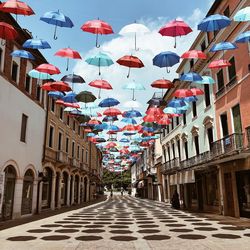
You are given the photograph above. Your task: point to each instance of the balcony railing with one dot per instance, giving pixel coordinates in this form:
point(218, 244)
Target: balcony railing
point(84, 166)
point(219, 149)
point(248, 136)
point(62, 157)
point(231, 83)
point(220, 92)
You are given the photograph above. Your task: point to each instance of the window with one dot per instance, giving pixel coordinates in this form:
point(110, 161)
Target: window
point(59, 147)
point(231, 70)
point(184, 119)
point(173, 150)
point(191, 64)
point(210, 137)
point(23, 128)
point(68, 120)
point(82, 154)
point(87, 156)
point(172, 123)
point(73, 149)
point(220, 80)
point(74, 125)
point(196, 142)
point(194, 109)
point(167, 129)
point(227, 12)
point(52, 107)
point(186, 149)
point(27, 84)
point(203, 46)
point(14, 71)
point(51, 136)
point(165, 154)
point(207, 95)
point(169, 156)
point(237, 119)
point(38, 92)
point(67, 144)
point(177, 121)
point(224, 125)
point(61, 113)
point(179, 148)
point(78, 152)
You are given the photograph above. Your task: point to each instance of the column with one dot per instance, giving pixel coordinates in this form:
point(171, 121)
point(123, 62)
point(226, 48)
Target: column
point(79, 191)
point(34, 196)
point(72, 190)
point(164, 187)
point(53, 190)
point(59, 192)
point(68, 191)
point(17, 198)
point(235, 196)
point(221, 190)
point(168, 189)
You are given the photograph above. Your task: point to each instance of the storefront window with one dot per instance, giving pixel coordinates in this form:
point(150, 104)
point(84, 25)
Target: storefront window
point(212, 190)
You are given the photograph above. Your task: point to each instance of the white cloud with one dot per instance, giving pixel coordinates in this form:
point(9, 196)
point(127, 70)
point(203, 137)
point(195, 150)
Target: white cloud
point(150, 45)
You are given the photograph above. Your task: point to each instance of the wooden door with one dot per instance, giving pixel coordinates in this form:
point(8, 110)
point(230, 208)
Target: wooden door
point(229, 206)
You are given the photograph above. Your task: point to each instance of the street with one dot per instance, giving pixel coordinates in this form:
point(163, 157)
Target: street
point(124, 222)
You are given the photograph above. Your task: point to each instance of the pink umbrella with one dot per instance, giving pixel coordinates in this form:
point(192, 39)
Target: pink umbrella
point(194, 54)
point(175, 28)
point(218, 64)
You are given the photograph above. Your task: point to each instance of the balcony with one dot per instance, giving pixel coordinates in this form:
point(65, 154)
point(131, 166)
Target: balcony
point(231, 83)
point(74, 162)
point(84, 166)
point(50, 154)
point(62, 157)
point(220, 92)
point(170, 165)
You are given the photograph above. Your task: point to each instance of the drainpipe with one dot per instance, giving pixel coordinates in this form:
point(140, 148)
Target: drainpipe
point(45, 129)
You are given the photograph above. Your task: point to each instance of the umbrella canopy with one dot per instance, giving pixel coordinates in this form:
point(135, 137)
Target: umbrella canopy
point(129, 120)
point(60, 86)
point(47, 86)
point(100, 84)
point(206, 80)
point(214, 22)
point(197, 91)
point(23, 54)
point(39, 75)
point(243, 15)
point(36, 44)
point(110, 119)
point(134, 86)
point(130, 62)
point(218, 64)
point(190, 99)
point(194, 54)
point(134, 29)
point(162, 84)
point(154, 111)
point(16, 7)
point(176, 103)
point(112, 112)
point(72, 78)
point(132, 113)
point(7, 31)
point(85, 96)
point(97, 27)
point(181, 93)
point(164, 120)
point(68, 53)
point(166, 59)
point(57, 19)
point(243, 37)
point(175, 28)
point(108, 102)
point(48, 68)
point(100, 60)
point(191, 77)
point(223, 46)
point(56, 94)
point(70, 97)
point(157, 102)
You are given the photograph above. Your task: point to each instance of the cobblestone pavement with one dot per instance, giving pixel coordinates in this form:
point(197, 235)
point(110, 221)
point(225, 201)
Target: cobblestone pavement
point(127, 223)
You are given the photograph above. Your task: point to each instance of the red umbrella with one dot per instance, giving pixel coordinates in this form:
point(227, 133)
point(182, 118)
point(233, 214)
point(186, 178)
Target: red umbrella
point(71, 105)
point(154, 111)
point(16, 7)
point(162, 84)
point(197, 91)
point(129, 127)
point(111, 145)
point(130, 62)
point(175, 28)
point(97, 27)
point(112, 112)
point(69, 53)
point(181, 93)
point(48, 68)
point(218, 64)
point(124, 151)
point(194, 54)
point(47, 86)
point(59, 102)
point(7, 32)
point(149, 118)
point(100, 84)
point(60, 86)
point(164, 120)
point(94, 122)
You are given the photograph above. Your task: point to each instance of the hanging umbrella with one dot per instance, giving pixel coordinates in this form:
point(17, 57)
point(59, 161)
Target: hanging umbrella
point(181, 93)
point(16, 7)
point(197, 91)
point(100, 84)
point(108, 102)
point(70, 97)
point(72, 78)
point(68, 53)
point(48, 68)
point(134, 86)
point(129, 127)
point(85, 96)
point(103, 126)
point(191, 77)
point(157, 102)
point(175, 28)
point(190, 99)
point(132, 113)
point(47, 86)
point(97, 27)
point(154, 111)
point(218, 64)
point(130, 62)
point(39, 75)
point(7, 32)
point(134, 29)
point(129, 120)
point(110, 119)
point(243, 37)
point(101, 60)
point(222, 46)
point(206, 80)
point(164, 120)
point(149, 118)
point(166, 59)
point(23, 54)
point(243, 15)
point(36, 44)
point(162, 84)
point(56, 94)
point(214, 22)
point(176, 103)
point(112, 112)
point(57, 19)
point(60, 86)
point(194, 54)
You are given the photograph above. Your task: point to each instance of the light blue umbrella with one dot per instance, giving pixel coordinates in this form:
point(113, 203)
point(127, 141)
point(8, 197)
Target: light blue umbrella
point(125, 140)
point(176, 103)
point(23, 54)
point(100, 60)
point(206, 80)
point(39, 75)
point(129, 120)
point(191, 77)
point(56, 94)
point(91, 135)
point(134, 86)
point(190, 99)
point(36, 44)
point(214, 22)
point(243, 37)
point(223, 46)
point(243, 15)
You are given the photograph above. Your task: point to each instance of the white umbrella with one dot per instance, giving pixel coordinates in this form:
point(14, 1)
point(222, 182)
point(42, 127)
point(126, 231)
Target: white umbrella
point(134, 29)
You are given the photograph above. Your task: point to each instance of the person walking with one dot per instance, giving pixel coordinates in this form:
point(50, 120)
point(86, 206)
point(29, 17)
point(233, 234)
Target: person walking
point(111, 193)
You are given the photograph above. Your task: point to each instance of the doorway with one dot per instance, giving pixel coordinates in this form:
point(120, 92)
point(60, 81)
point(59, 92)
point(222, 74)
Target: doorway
point(229, 194)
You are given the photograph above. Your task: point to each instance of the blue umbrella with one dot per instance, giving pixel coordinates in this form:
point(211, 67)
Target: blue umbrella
point(223, 46)
point(39, 75)
point(23, 54)
point(214, 22)
point(101, 60)
point(243, 15)
point(36, 44)
point(91, 135)
point(103, 126)
point(129, 133)
point(125, 140)
point(166, 59)
point(108, 102)
point(132, 113)
point(113, 128)
point(191, 77)
point(56, 94)
point(129, 120)
point(176, 103)
point(190, 99)
point(70, 97)
point(57, 19)
point(243, 37)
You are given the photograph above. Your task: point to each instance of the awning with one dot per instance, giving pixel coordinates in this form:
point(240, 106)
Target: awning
point(183, 177)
